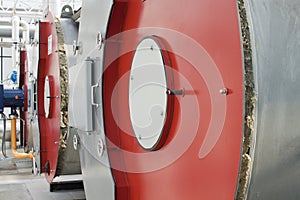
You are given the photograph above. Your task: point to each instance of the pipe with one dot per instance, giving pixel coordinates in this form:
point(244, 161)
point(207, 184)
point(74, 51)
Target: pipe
point(16, 24)
point(1, 59)
point(5, 22)
point(13, 137)
point(4, 136)
point(15, 39)
point(16, 154)
point(35, 13)
point(25, 26)
point(6, 31)
point(15, 20)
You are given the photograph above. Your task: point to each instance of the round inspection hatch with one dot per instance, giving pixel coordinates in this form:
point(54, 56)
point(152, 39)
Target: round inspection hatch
point(47, 97)
point(148, 100)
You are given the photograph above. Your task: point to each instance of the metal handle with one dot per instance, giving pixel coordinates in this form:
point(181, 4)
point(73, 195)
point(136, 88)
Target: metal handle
point(52, 97)
point(93, 94)
point(35, 97)
point(175, 92)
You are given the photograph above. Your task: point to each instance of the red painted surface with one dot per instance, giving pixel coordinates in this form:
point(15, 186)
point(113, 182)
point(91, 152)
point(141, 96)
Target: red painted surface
point(201, 156)
point(109, 80)
point(23, 83)
point(49, 127)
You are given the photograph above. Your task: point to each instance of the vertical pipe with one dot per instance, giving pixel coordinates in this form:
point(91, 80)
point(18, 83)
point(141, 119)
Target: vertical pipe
point(15, 6)
point(13, 133)
point(13, 140)
point(56, 8)
point(15, 40)
point(4, 136)
point(25, 27)
point(1, 54)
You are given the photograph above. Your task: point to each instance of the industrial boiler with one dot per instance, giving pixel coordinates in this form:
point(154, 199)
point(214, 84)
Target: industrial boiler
point(187, 99)
point(37, 91)
point(152, 99)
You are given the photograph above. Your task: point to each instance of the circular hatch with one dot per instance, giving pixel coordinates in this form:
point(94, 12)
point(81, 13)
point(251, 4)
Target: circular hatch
point(148, 99)
point(47, 97)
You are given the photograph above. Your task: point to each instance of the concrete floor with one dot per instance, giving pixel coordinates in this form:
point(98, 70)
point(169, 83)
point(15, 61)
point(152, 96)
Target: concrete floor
point(17, 182)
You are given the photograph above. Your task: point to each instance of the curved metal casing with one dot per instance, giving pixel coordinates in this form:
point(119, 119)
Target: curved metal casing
point(57, 154)
point(275, 35)
point(201, 155)
point(235, 100)
point(85, 99)
point(29, 58)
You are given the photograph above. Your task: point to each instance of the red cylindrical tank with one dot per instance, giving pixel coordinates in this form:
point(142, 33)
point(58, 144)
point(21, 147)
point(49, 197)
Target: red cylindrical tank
point(57, 154)
point(200, 157)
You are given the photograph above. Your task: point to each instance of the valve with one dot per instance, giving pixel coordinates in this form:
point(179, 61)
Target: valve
point(14, 76)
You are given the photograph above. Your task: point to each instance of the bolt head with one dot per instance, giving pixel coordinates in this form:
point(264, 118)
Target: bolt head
point(224, 91)
point(75, 142)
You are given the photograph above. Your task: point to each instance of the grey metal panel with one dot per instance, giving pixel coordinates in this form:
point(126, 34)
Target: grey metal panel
point(94, 19)
point(276, 167)
point(34, 133)
point(98, 180)
point(80, 107)
point(70, 30)
point(69, 163)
